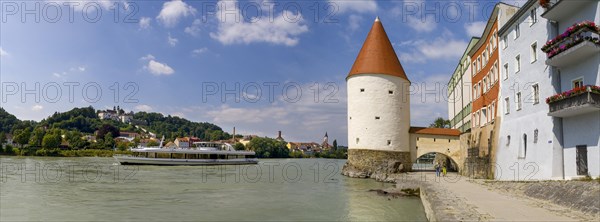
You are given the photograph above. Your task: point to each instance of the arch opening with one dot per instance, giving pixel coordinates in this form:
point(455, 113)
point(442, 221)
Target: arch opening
point(426, 162)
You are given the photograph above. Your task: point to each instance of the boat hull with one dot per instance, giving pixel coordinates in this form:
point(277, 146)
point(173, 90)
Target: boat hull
point(124, 160)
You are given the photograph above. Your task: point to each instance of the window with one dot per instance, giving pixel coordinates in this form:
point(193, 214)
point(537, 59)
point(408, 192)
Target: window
point(357, 140)
point(484, 115)
point(506, 71)
point(578, 83)
point(518, 100)
point(507, 140)
point(533, 16)
point(362, 90)
point(517, 63)
point(377, 117)
point(504, 41)
point(485, 84)
point(474, 69)
point(391, 92)
point(495, 72)
point(495, 42)
point(533, 52)
point(475, 91)
point(524, 145)
point(536, 93)
point(478, 63)
point(535, 136)
point(506, 105)
point(517, 31)
point(479, 88)
point(389, 142)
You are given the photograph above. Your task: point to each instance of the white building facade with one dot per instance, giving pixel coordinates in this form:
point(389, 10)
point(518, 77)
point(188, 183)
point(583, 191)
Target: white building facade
point(459, 92)
point(576, 61)
point(542, 139)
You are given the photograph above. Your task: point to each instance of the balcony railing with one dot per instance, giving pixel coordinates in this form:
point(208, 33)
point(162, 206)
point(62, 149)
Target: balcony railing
point(575, 102)
point(577, 43)
point(558, 10)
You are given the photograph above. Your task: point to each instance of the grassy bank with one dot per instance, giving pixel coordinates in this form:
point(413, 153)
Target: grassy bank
point(12, 151)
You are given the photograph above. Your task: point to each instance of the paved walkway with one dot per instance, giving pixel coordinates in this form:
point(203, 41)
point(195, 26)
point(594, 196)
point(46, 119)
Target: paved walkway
point(491, 205)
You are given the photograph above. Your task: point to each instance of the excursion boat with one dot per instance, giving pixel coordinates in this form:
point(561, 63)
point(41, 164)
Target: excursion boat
point(205, 153)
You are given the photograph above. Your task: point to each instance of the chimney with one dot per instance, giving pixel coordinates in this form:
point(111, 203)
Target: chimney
point(279, 134)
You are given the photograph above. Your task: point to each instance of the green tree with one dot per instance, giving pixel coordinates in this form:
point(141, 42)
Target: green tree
point(268, 148)
point(51, 141)
point(109, 141)
point(22, 136)
point(36, 137)
point(2, 138)
point(107, 128)
point(152, 143)
point(239, 146)
point(440, 123)
point(334, 145)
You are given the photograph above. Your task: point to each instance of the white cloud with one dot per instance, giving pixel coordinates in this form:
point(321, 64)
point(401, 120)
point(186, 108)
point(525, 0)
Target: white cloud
point(199, 51)
point(158, 68)
point(144, 108)
point(354, 22)
point(37, 107)
point(283, 30)
point(172, 41)
point(426, 24)
point(194, 29)
point(475, 28)
point(3, 53)
point(81, 69)
point(173, 11)
point(364, 6)
point(147, 57)
point(444, 47)
point(59, 75)
point(145, 22)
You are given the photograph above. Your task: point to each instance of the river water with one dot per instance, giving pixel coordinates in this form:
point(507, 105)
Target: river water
point(67, 189)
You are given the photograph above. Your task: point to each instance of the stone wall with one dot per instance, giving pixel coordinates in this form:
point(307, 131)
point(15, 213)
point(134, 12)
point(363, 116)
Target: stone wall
point(375, 163)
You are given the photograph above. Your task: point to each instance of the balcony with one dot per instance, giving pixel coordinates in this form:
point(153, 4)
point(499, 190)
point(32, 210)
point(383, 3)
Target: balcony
point(579, 42)
point(575, 102)
point(557, 10)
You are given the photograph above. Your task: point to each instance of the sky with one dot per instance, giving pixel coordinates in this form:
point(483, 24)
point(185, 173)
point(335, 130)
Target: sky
point(259, 66)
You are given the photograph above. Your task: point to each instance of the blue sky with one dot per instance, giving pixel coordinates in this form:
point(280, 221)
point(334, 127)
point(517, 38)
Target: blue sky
point(177, 57)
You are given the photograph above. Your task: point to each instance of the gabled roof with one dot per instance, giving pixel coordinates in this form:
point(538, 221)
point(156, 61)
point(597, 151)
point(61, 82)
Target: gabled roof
point(434, 131)
point(377, 56)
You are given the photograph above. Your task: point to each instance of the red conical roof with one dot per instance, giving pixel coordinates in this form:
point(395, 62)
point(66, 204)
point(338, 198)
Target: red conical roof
point(377, 55)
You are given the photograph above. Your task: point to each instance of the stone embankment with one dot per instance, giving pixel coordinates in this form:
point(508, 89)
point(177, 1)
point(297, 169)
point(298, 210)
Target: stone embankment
point(582, 196)
point(456, 198)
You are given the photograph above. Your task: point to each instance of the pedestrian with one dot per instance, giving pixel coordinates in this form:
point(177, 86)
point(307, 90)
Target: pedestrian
point(444, 170)
point(437, 170)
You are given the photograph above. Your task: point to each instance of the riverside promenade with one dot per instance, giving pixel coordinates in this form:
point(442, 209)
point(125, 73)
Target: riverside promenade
point(456, 198)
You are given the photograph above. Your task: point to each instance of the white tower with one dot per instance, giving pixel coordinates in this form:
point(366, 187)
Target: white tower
point(378, 105)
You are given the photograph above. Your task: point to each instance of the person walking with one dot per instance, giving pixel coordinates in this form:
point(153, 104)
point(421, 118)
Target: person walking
point(437, 169)
point(444, 170)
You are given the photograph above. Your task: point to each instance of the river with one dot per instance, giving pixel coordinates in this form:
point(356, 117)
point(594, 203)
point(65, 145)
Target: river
point(67, 189)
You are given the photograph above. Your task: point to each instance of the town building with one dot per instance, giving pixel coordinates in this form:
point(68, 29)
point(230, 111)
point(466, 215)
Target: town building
point(573, 57)
point(182, 142)
point(459, 92)
point(485, 68)
point(527, 145)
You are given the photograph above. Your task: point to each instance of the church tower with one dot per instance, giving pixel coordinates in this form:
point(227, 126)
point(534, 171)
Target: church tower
point(378, 106)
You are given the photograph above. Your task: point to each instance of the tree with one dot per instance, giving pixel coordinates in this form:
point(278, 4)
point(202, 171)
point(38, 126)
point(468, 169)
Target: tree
point(2, 138)
point(22, 136)
point(440, 123)
point(239, 146)
point(109, 141)
point(268, 148)
point(36, 137)
point(51, 141)
point(152, 143)
point(334, 145)
point(107, 128)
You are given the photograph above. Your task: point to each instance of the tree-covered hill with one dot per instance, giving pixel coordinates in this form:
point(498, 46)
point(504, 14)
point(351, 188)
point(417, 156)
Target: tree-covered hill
point(173, 126)
point(7, 121)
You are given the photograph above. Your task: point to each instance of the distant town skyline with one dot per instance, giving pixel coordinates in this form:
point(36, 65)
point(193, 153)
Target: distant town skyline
point(188, 58)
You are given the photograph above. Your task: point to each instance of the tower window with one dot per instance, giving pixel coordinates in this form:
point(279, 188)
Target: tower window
point(391, 92)
point(357, 140)
point(350, 117)
point(362, 90)
point(377, 117)
point(389, 142)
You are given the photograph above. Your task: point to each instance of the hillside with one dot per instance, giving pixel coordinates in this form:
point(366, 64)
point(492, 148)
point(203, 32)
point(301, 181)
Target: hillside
point(173, 126)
